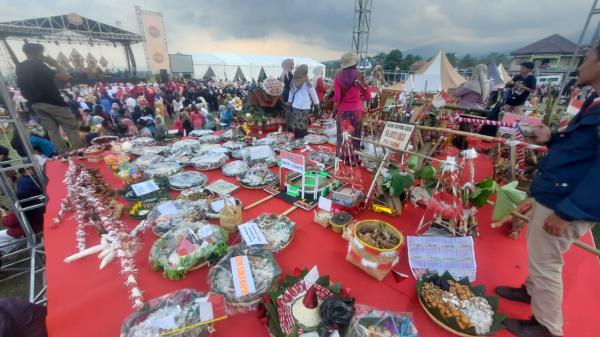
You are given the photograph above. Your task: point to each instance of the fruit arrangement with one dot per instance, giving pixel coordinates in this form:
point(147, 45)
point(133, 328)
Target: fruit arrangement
point(458, 306)
point(378, 237)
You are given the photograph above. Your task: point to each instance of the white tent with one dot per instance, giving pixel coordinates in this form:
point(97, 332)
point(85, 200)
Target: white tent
point(226, 65)
point(436, 75)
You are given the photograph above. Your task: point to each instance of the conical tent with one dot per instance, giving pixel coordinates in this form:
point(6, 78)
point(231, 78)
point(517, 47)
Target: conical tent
point(505, 75)
point(494, 76)
point(436, 75)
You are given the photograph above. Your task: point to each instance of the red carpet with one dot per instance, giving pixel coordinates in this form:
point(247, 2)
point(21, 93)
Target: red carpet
point(84, 301)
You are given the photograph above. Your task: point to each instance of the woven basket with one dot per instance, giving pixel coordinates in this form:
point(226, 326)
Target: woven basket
point(376, 262)
point(230, 216)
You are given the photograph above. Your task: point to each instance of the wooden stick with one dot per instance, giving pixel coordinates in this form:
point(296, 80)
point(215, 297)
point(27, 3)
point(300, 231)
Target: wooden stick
point(385, 156)
point(288, 211)
point(256, 203)
point(577, 243)
point(396, 149)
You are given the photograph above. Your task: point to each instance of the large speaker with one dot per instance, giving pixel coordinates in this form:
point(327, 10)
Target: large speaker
point(164, 75)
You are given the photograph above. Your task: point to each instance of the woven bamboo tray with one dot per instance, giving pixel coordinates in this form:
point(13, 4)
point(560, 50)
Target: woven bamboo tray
point(442, 325)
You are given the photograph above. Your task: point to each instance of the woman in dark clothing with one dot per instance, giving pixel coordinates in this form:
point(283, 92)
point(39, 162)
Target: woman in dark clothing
point(136, 114)
point(20, 318)
point(287, 77)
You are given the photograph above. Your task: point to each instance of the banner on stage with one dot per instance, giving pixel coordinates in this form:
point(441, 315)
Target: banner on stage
point(155, 39)
point(292, 161)
point(396, 135)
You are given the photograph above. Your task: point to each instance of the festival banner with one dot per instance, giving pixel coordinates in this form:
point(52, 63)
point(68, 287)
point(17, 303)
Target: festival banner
point(156, 41)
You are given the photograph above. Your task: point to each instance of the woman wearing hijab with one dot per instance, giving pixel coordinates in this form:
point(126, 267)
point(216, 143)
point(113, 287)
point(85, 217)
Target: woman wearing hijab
point(318, 83)
point(287, 76)
point(302, 94)
point(472, 94)
point(161, 130)
point(475, 92)
point(350, 90)
point(132, 130)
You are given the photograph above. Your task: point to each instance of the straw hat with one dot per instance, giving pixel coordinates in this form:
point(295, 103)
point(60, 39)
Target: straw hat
point(348, 60)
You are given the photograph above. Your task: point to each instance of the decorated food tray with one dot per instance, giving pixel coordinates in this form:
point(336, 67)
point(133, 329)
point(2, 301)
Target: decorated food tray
point(232, 134)
point(141, 208)
point(278, 231)
point(146, 161)
point(217, 150)
point(214, 206)
point(186, 247)
point(234, 145)
point(234, 168)
point(112, 159)
point(196, 193)
point(172, 213)
point(183, 156)
point(147, 150)
point(264, 269)
point(372, 322)
point(210, 139)
point(200, 133)
point(209, 161)
point(182, 307)
point(257, 177)
point(164, 169)
point(458, 307)
point(187, 144)
point(315, 139)
point(187, 179)
point(93, 151)
point(264, 141)
point(142, 141)
point(262, 154)
point(104, 141)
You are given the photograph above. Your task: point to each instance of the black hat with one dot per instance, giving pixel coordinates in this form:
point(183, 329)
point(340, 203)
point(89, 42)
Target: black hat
point(32, 48)
point(528, 65)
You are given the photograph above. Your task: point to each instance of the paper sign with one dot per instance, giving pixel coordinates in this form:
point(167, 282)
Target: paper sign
point(243, 283)
point(206, 311)
point(145, 187)
point(396, 135)
point(222, 187)
point(312, 277)
point(325, 204)
point(218, 205)
point(440, 254)
point(166, 208)
point(292, 161)
point(166, 322)
point(251, 234)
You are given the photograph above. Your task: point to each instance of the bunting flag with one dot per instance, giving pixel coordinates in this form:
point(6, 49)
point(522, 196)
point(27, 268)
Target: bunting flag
point(440, 99)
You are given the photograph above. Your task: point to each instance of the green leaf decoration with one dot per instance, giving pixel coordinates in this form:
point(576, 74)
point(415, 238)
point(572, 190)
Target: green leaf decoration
point(428, 174)
point(399, 182)
point(508, 197)
point(483, 190)
point(412, 162)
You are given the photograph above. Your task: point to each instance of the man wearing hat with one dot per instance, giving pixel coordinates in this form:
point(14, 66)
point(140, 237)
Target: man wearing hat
point(520, 87)
point(37, 83)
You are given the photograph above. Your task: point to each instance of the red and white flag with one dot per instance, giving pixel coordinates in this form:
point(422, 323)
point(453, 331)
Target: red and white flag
point(440, 99)
point(574, 106)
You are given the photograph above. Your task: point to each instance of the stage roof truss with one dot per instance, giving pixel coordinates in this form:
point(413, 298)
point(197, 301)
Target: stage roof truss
point(57, 27)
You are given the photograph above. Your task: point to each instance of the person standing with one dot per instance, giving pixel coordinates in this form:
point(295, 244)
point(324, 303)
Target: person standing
point(318, 83)
point(38, 85)
point(302, 94)
point(521, 86)
point(350, 91)
point(566, 206)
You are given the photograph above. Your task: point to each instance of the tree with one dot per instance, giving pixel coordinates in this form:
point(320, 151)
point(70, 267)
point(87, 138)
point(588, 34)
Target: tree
point(379, 58)
point(408, 61)
point(468, 61)
point(392, 60)
point(452, 58)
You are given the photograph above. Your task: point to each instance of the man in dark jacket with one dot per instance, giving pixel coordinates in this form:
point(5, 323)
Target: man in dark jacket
point(566, 205)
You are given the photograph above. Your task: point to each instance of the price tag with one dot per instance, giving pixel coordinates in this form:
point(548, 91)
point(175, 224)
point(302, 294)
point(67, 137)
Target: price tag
point(166, 208)
point(243, 283)
point(251, 234)
point(325, 204)
point(218, 205)
point(312, 277)
point(145, 187)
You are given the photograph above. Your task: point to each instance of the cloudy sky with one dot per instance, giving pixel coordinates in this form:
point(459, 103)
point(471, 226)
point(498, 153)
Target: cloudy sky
point(323, 29)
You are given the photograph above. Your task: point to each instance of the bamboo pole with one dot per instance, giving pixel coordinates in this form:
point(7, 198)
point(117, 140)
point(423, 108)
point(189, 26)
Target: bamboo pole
point(375, 177)
point(288, 211)
point(256, 203)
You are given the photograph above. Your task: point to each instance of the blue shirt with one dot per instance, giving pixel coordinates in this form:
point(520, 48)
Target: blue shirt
point(43, 145)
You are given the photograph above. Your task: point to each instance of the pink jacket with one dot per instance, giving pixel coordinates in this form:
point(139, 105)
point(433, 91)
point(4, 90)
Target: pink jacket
point(352, 101)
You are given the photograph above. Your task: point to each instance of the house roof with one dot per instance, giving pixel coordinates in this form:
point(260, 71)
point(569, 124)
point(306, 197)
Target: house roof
point(553, 44)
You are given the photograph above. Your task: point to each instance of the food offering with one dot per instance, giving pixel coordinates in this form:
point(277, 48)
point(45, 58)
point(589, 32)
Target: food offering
point(187, 247)
point(186, 180)
point(93, 153)
point(278, 231)
point(458, 307)
point(255, 155)
point(209, 161)
point(104, 141)
point(235, 168)
point(197, 193)
point(189, 145)
point(258, 176)
point(216, 205)
point(263, 271)
point(315, 139)
point(232, 134)
point(339, 221)
point(147, 150)
point(183, 156)
point(141, 208)
point(200, 133)
point(217, 149)
point(146, 161)
point(163, 169)
point(308, 304)
point(234, 145)
point(211, 139)
point(115, 160)
point(371, 322)
point(172, 213)
point(177, 314)
point(374, 247)
point(142, 141)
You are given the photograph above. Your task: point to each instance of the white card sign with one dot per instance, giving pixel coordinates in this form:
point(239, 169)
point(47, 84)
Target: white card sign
point(325, 204)
point(396, 135)
point(218, 205)
point(144, 187)
point(251, 234)
point(312, 277)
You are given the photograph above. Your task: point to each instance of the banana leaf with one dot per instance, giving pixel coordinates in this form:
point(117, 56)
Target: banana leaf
point(398, 182)
point(508, 197)
point(483, 190)
point(412, 162)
